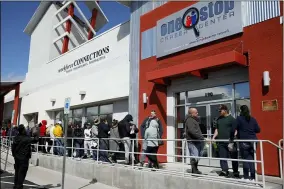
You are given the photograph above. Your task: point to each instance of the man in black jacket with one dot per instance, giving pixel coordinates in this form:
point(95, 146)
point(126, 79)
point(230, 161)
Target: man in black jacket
point(195, 137)
point(79, 141)
point(21, 151)
point(103, 134)
point(124, 133)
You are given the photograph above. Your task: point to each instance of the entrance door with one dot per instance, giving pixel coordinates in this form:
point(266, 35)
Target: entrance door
point(208, 114)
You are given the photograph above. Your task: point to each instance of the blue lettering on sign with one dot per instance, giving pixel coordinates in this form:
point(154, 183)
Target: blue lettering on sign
point(212, 9)
point(66, 105)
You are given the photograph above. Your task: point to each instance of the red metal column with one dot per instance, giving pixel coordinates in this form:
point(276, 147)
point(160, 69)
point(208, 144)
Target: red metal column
point(93, 23)
point(16, 104)
point(1, 109)
point(68, 29)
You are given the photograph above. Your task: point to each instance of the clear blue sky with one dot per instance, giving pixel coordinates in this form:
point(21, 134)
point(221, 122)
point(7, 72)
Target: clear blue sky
point(15, 44)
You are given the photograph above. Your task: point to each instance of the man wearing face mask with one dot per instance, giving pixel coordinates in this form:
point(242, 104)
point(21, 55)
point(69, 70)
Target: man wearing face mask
point(195, 138)
point(153, 119)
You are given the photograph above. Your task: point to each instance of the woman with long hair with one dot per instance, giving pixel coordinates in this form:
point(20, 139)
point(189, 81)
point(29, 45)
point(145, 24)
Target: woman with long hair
point(247, 128)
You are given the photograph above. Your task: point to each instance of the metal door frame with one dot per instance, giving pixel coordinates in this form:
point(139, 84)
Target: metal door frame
point(208, 105)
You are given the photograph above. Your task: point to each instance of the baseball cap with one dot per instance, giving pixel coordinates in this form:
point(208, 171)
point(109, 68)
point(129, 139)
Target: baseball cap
point(223, 107)
point(59, 122)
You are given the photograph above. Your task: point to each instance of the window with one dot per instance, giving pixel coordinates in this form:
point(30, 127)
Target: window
point(92, 114)
point(180, 98)
point(242, 90)
point(103, 111)
point(210, 94)
point(59, 116)
point(106, 109)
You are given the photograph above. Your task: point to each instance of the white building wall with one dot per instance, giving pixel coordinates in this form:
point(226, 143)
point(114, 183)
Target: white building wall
point(106, 80)
point(42, 49)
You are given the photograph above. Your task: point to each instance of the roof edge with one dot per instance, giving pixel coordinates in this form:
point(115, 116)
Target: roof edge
point(37, 16)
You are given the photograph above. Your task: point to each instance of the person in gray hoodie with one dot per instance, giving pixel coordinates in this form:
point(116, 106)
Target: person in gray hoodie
point(151, 136)
point(195, 138)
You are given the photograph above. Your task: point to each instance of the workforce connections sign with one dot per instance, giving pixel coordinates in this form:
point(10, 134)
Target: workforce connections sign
point(198, 24)
point(86, 60)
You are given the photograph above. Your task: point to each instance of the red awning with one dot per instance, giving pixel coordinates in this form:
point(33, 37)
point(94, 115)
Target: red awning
point(197, 65)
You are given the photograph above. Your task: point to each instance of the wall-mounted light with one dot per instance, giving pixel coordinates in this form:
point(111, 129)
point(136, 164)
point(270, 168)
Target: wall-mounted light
point(266, 79)
point(145, 98)
point(82, 94)
point(52, 100)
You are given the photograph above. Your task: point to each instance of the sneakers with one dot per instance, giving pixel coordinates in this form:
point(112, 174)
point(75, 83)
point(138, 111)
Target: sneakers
point(236, 175)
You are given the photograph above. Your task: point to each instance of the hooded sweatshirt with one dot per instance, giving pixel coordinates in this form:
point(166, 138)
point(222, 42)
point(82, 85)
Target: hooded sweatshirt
point(124, 126)
point(152, 133)
point(21, 147)
point(42, 129)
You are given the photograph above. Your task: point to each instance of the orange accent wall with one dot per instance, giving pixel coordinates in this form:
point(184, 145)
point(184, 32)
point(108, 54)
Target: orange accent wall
point(262, 42)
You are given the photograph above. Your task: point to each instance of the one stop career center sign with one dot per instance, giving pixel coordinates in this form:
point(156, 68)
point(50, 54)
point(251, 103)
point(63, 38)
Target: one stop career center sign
point(198, 24)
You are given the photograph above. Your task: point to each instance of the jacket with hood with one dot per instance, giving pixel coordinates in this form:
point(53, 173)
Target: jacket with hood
point(192, 129)
point(124, 126)
point(103, 130)
point(58, 132)
point(21, 147)
point(152, 133)
point(79, 133)
point(146, 124)
point(42, 129)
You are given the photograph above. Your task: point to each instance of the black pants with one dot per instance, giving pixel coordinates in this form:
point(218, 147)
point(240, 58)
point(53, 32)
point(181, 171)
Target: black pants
point(153, 158)
point(225, 153)
point(69, 147)
point(21, 168)
point(42, 145)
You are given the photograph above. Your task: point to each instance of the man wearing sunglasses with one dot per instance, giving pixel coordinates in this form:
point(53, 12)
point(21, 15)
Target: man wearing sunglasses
point(223, 132)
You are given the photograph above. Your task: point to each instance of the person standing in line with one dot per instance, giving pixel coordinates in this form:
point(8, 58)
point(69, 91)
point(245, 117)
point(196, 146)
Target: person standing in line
point(87, 141)
point(35, 132)
point(95, 141)
point(52, 137)
point(143, 128)
point(70, 134)
point(114, 144)
point(48, 140)
point(42, 139)
point(124, 133)
point(247, 128)
point(21, 151)
point(103, 134)
point(58, 134)
point(28, 131)
point(133, 136)
point(151, 136)
point(223, 131)
point(79, 141)
point(195, 138)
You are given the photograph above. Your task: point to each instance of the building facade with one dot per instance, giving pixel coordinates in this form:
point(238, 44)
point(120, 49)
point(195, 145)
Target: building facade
point(203, 54)
point(90, 72)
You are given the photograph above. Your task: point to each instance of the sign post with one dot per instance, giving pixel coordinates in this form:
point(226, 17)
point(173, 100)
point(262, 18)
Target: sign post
point(66, 112)
point(10, 135)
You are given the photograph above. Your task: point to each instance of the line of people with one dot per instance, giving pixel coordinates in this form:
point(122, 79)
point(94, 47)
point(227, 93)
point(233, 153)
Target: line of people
point(244, 127)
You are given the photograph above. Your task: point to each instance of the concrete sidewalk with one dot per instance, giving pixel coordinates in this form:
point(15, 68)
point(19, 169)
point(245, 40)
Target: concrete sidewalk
point(39, 176)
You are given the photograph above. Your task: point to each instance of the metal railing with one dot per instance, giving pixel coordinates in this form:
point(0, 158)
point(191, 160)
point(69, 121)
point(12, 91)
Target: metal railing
point(280, 157)
point(5, 143)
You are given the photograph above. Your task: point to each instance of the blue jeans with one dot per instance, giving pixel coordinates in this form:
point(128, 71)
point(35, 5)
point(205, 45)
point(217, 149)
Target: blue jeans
point(195, 149)
point(58, 150)
point(103, 155)
point(247, 153)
